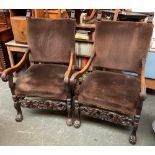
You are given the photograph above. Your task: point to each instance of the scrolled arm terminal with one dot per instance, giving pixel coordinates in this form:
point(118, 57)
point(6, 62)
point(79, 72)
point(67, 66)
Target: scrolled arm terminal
point(16, 67)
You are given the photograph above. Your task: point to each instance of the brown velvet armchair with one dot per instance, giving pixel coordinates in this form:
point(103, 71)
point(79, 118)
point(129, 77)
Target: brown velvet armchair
point(45, 83)
point(111, 92)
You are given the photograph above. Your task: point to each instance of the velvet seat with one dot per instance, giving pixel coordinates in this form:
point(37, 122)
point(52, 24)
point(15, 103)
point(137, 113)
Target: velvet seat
point(45, 80)
point(111, 91)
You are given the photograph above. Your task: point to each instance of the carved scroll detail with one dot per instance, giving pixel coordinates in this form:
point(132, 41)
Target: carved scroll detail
point(107, 115)
point(43, 104)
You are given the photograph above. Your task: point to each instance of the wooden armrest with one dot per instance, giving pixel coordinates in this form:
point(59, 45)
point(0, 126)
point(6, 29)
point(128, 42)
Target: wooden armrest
point(70, 69)
point(116, 14)
point(13, 69)
point(91, 16)
point(142, 78)
point(78, 74)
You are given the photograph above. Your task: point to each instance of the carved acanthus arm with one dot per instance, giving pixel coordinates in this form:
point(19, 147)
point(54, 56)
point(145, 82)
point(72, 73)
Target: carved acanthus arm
point(142, 78)
point(70, 69)
point(75, 77)
point(13, 69)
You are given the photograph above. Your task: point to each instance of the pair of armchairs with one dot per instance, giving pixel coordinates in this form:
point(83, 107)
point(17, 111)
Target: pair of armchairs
point(110, 92)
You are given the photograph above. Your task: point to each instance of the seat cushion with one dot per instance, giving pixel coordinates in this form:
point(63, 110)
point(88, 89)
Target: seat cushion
point(111, 91)
point(43, 80)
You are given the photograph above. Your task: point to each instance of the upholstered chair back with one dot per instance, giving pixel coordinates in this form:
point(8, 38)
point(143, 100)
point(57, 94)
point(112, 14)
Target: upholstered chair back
point(122, 45)
point(51, 41)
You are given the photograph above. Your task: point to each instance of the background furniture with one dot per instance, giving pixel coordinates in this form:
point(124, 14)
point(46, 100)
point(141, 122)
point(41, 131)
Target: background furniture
point(50, 13)
point(4, 18)
point(14, 50)
point(57, 13)
point(150, 69)
point(13, 47)
point(19, 24)
point(5, 35)
point(84, 40)
point(109, 93)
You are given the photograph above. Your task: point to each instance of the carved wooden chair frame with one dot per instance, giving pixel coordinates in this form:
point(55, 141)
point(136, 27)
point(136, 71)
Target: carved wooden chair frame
point(40, 103)
point(103, 114)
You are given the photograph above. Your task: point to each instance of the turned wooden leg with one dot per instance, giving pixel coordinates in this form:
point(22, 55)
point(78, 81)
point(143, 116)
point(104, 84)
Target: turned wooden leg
point(69, 121)
point(133, 137)
point(17, 105)
point(77, 122)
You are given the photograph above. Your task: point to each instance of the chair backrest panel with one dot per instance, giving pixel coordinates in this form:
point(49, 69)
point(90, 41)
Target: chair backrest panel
point(122, 45)
point(51, 40)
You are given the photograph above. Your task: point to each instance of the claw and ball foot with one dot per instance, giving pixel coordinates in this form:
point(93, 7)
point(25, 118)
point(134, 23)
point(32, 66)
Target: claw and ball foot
point(133, 138)
point(69, 122)
point(19, 116)
point(77, 123)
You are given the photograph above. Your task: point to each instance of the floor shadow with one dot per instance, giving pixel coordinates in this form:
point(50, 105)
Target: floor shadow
point(150, 91)
point(48, 112)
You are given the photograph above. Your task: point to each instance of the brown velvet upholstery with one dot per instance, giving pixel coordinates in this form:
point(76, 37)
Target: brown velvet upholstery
point(121, 45)
point(43, 80)
point(112, 91)
point(51, 40)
